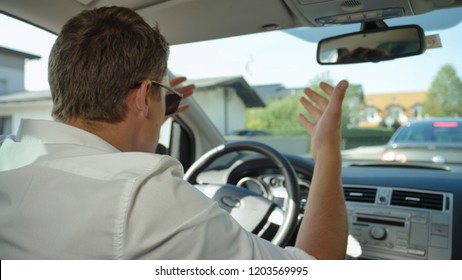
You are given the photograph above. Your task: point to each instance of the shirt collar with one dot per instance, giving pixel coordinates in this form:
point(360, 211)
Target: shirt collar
point(53, 132)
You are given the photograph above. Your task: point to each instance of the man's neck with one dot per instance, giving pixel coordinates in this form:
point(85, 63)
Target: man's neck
point(110, 132)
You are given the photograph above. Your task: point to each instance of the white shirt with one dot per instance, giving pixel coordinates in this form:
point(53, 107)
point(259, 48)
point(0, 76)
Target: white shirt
point(67, 194)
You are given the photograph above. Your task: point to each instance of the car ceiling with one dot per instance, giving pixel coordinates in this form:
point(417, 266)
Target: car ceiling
point(183, 21)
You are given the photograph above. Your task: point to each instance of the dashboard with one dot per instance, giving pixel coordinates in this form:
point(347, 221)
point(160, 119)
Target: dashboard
point(394, 212)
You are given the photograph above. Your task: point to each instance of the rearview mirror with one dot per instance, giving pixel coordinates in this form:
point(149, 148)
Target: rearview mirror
point(372, 45)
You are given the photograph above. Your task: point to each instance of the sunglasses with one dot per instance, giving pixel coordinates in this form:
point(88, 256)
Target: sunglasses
point(172, 97)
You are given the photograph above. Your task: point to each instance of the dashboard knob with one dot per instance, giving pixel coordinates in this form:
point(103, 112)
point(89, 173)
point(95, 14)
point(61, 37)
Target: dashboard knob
point(378, 233)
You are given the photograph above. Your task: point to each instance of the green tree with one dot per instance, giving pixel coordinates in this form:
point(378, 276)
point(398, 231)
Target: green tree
point(444, 97)
point(280, 116)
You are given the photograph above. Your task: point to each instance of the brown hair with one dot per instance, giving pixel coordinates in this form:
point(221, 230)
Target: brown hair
point(97, 56)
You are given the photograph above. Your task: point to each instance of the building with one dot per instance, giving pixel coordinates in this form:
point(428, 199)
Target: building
point(11, 82)
point(221, 98)
point(20, 105)
point(12, 70)
point(387, 109)
point(271, 92)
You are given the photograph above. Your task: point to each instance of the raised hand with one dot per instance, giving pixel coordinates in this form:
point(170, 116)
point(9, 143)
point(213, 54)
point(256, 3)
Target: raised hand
point(325, 130)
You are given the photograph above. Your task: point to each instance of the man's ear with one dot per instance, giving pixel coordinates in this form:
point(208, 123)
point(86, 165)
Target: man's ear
point(141, 98)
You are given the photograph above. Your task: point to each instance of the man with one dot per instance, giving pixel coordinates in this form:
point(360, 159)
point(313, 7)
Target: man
point(87, 185)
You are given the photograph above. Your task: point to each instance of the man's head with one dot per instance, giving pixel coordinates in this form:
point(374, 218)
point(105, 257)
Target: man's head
point(98, 56)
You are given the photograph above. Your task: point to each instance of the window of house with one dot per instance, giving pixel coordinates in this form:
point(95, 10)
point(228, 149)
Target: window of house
point(371, 114)
point(2, 86)
point(416, 112)
point(395, 114)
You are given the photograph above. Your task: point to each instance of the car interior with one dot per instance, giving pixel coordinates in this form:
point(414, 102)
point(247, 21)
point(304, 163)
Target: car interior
point(396, 211)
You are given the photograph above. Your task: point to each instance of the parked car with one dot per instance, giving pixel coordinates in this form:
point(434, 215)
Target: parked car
point(426, 141)
point(395, 211)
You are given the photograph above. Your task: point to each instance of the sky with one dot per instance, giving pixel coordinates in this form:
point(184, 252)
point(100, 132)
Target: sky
point(266, 58)
point(282, 58)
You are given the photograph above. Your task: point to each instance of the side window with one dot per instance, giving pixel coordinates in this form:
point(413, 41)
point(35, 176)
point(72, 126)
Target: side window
point(164, 138)
point(23, 72)
point(2, 85)
point(5, 125)
point(177, 141)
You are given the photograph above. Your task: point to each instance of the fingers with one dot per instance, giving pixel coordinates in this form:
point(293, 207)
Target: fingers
point(314, 111)
point(186, 91)
point(328, 89)
point(321, 105)
point(182, 108)
point(339, 94)
point(318, 102)
point(305, 123)
point(176, 81)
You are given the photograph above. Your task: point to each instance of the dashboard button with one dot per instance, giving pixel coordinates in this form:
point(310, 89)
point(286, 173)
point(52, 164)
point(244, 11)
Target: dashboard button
point(439, 229)
point(378, 233)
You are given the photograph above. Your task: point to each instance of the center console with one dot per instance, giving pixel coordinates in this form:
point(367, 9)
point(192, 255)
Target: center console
point(393, 223)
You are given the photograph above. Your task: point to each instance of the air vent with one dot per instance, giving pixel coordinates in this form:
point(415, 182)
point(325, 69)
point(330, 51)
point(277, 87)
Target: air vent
point(366, 195)
point(417, 199)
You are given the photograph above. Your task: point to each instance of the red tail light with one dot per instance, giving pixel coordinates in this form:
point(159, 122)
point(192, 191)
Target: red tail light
point(445, 124)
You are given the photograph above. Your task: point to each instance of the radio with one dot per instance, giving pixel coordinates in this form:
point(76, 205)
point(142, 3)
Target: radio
point(376, 231)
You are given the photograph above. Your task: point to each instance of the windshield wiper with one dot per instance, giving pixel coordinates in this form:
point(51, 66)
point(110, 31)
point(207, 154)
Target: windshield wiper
point(403, 165)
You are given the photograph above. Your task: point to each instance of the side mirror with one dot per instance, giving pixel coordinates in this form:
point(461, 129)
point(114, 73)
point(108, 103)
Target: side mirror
point(372, 45)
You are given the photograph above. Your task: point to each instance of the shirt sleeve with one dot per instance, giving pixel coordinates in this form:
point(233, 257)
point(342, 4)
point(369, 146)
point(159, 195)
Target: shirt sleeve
point(167, 218)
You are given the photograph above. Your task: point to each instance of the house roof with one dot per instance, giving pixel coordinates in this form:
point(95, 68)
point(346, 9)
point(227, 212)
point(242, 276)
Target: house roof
point(406, 100)
point(273, 91)
point(26, 96)
point(18, 53)
point(245, 92)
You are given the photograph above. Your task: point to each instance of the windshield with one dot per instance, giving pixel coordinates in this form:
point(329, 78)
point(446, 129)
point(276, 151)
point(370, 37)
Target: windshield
point(278, 65)
point(250, 85)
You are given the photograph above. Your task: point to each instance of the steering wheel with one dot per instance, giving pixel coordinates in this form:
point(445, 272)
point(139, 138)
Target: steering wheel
point(251, 210)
